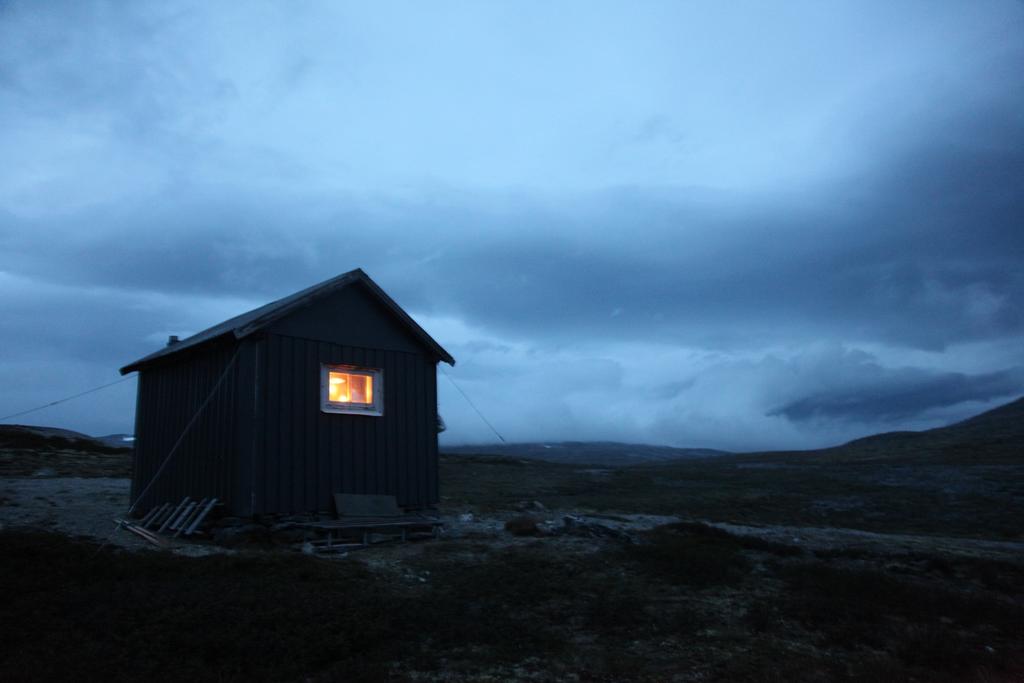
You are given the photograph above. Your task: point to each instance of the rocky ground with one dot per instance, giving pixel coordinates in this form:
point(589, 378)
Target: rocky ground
point(81, 507)
point(88, 507)
point(71, 505)
point(713, 571)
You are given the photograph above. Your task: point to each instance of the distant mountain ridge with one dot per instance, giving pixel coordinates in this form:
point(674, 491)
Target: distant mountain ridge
point(53, 438)
point(996, 434)
point(601, 453)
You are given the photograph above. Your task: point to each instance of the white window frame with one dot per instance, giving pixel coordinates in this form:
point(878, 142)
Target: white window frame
point(375, 409)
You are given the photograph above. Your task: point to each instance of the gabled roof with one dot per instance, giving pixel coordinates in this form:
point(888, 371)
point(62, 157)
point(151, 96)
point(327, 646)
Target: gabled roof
point(243, 325)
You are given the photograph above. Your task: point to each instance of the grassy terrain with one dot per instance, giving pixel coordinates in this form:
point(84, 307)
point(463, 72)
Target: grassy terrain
point(602, 453)
point(687, 601)
point(963, 480)
point(977, 500)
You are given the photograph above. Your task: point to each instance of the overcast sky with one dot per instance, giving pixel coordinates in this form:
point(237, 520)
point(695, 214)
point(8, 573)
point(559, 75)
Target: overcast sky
point(730, 225)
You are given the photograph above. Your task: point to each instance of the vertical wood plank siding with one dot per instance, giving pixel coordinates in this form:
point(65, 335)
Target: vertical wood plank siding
point(205, 463)
point(310, 455)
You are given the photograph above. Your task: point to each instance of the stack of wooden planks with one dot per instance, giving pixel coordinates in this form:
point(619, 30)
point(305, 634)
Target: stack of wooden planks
point(169, 520)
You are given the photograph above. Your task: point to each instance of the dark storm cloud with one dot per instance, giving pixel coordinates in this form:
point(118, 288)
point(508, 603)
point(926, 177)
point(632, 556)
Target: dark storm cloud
point(919, 263)
point(93, 325)
point(890, 396)
point(917, 247)
point(663, 246)
point(106, 71)
point(216, 247)
point(923, 251)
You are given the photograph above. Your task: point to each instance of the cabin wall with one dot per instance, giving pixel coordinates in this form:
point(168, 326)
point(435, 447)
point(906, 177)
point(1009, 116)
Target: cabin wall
point(169, 396)
point(306, 455)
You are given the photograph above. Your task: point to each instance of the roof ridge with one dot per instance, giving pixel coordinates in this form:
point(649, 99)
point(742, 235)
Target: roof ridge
point(244, 324)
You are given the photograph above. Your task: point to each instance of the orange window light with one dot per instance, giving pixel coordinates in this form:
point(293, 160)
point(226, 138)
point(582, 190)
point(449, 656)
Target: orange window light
point(345, 387)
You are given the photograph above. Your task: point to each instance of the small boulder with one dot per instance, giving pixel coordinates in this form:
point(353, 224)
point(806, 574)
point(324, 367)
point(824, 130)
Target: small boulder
point(523, 525)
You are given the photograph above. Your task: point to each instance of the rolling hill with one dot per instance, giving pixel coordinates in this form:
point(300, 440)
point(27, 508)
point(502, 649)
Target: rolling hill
point(995, 435)
point(30, 450)
point(52, 439)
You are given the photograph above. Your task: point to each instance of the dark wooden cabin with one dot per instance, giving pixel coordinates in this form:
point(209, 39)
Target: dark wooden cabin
point(330, 390)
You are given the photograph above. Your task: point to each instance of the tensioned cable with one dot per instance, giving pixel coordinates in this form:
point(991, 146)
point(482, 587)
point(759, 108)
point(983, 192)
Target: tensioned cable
point(63, 400)
point(472, 405)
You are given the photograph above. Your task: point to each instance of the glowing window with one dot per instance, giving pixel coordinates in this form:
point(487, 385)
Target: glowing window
point(348, 389)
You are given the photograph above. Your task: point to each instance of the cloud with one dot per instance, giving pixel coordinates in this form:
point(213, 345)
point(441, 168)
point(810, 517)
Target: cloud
point(888, 395)
point(815, 396)
point(664, 228)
